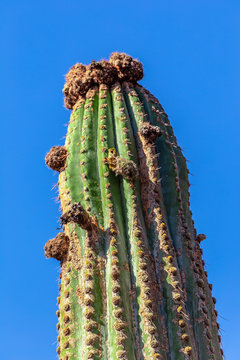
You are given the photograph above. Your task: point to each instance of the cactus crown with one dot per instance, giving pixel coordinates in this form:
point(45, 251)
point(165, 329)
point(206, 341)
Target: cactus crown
point(133, 284)
point(81, 78)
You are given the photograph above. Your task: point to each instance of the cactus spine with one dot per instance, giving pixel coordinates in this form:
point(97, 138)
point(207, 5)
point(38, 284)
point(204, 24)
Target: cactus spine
point(133, 284)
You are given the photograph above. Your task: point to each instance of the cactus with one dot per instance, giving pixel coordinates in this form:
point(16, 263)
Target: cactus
point(133, 284)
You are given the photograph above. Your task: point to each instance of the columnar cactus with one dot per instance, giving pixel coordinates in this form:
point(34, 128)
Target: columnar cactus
point(133, 284)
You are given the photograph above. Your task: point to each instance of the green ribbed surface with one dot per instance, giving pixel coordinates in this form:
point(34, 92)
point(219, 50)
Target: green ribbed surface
point(131, 285)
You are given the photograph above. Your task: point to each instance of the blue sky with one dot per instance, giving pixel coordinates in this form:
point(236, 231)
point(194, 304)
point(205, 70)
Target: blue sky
point(190, 52)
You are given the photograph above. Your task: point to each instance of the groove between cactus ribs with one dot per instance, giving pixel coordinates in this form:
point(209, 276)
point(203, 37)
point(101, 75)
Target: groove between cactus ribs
point(133, 284)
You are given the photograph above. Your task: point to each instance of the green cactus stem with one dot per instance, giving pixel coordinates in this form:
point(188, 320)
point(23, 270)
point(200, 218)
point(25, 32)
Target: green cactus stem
point(133, 284)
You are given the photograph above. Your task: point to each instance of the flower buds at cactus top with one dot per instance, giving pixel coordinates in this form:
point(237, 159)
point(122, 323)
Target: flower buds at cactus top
point(129, 69)
point(81, 78)
point(133, 285)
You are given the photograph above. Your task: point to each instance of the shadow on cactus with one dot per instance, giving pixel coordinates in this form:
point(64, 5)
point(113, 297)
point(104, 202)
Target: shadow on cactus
point(133, 284)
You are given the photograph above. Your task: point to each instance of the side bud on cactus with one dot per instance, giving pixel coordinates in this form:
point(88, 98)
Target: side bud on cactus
point(58, 247)
point(78, 215)
point(133, 284)
point(126, 168)
point(56, 158)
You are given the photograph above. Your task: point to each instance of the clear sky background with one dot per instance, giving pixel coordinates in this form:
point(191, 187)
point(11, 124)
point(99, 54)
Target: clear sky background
point(191, 55)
